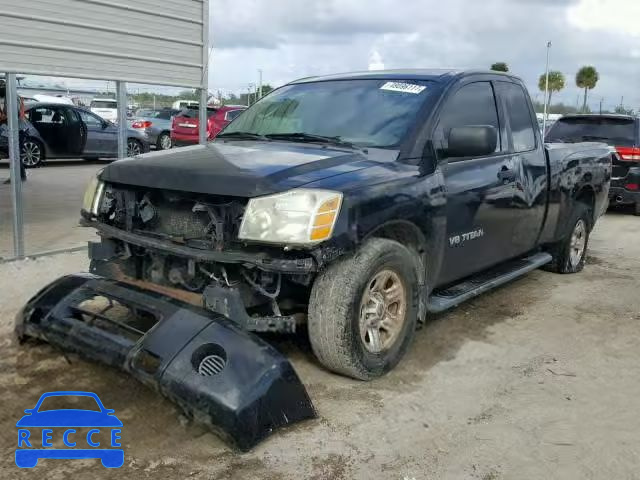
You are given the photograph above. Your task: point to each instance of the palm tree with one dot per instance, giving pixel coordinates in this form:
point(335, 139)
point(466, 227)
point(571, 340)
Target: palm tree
point(556, 83)
point(500, 67)
point(587, 78)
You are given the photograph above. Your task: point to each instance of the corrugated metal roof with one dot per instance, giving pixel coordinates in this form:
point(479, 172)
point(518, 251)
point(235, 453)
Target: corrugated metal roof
point(142, 41)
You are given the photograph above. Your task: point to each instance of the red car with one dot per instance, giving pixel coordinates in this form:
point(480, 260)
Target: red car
point(184, 129)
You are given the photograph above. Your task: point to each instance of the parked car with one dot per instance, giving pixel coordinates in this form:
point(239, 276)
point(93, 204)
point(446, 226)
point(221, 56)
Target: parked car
point(622, 132)
point(107, 108)
point(184, 129)
point(66, 131)
point(156, 125)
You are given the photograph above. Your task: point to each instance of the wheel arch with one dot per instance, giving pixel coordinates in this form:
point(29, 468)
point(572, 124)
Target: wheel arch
point(587, 195)
point(409, 235)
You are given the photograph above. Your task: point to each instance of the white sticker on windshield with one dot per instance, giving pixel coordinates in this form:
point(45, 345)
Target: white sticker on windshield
point(403, 87)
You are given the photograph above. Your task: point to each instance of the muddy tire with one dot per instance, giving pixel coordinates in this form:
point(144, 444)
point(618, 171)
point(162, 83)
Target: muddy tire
point(374, 290)
point(570, 253)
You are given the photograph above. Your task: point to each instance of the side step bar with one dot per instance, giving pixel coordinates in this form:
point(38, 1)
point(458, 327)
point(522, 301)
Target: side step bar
point(454, 295)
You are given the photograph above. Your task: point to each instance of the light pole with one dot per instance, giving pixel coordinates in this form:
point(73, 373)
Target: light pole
point(546, 93)
point(260, 83)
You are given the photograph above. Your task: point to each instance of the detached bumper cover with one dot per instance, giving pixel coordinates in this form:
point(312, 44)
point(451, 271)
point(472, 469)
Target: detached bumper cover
point(224, 377)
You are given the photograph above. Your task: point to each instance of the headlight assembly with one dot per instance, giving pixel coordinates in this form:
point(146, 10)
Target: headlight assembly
point(297, 217)
point(92, 196)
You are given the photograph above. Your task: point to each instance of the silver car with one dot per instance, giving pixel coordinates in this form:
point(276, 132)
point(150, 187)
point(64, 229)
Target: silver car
point(156, 126)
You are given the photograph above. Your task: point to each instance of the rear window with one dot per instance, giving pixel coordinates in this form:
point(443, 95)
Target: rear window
point(103, 104)
point(232, 114)
point(193, 112)
point(165, 114)
point(613, 131)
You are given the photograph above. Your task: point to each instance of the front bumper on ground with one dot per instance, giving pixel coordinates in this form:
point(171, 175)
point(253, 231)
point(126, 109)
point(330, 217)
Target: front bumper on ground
point(230, 380)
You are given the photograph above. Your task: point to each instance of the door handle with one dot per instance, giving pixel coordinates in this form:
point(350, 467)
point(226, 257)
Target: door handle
point(507, 175)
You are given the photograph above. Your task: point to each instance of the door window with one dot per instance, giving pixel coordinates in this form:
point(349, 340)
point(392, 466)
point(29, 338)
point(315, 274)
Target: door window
point(519, 115)
point(473, 104)
point(47, 115)
point(89, 119)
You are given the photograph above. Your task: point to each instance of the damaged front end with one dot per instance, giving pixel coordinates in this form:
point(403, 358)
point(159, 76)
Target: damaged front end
point(188, 243)
point(219, 374)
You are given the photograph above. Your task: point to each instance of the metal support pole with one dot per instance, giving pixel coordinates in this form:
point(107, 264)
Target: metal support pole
point(203, 117)
point(546, 94)
point(13, 122)
point(260, 84)
point(121, 99)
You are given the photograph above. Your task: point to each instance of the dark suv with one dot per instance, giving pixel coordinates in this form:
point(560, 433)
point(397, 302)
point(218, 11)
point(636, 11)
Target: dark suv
point(619, 131)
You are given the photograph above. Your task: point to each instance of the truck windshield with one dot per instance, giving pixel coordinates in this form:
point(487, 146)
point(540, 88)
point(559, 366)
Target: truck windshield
point(613, 131)
point(366, 113)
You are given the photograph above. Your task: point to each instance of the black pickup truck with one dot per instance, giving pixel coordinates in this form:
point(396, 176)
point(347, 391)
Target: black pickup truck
point(355, 204)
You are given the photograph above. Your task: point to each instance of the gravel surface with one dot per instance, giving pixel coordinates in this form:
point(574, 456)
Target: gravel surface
point(539, 379)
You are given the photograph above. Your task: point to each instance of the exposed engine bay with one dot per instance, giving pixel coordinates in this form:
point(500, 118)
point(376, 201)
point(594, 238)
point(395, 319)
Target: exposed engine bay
point(190, 242)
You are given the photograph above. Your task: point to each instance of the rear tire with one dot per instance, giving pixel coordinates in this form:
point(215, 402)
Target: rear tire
point(570, 253)
point(134, 147)
point(164, 141)
point(374, 290)
point(636, 209)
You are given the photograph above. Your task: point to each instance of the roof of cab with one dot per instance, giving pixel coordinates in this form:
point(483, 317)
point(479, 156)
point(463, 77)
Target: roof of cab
point(433, 74)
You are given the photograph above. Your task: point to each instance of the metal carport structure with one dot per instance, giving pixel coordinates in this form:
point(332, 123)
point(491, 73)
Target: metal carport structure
point(141, 41)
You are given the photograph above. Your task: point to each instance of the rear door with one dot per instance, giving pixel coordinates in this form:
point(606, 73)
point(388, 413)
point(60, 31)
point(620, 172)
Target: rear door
point(480, 196)
point(76, 132)
point(528, 164)
point(52, 125)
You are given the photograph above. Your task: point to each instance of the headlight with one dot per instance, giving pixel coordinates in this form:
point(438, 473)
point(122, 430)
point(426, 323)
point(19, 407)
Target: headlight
point(297, 217)
point(92, 196)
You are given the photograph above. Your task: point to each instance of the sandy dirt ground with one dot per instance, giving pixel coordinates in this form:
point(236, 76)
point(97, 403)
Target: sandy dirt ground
point(539, 379)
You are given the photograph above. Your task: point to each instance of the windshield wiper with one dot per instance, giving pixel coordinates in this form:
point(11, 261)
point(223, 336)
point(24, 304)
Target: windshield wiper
point(309, 137)
point(241, 135)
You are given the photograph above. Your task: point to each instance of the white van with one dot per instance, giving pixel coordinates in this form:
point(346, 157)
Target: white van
point(180, 104)
point(106, 108)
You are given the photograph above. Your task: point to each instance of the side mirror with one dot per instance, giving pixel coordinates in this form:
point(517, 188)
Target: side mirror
point(105, 125)
point(472, 141)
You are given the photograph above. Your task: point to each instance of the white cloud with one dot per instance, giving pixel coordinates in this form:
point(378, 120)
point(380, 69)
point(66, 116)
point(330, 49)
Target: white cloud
point(375, 60)
point(606, 15)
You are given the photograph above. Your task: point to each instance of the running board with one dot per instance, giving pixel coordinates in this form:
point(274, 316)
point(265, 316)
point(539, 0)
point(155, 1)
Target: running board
point(454, 295)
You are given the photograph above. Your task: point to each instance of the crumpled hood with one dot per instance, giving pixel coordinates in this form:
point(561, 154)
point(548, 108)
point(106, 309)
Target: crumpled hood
point(245, 169)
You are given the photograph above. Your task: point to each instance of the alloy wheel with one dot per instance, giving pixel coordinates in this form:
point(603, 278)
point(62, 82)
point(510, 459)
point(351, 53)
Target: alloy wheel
point(383, 311)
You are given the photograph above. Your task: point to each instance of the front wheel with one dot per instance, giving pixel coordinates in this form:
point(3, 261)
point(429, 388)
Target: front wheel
point(134, 147)
point(569, 254)
point(31, 153)
point(363, 310)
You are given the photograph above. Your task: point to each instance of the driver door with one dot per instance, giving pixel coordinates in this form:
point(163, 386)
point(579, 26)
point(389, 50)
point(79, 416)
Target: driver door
point(75, 132)
point(480, 191)
point(95, 128)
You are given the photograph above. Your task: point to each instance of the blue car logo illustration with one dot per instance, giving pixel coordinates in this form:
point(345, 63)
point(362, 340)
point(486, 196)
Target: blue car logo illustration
point(34, 445)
